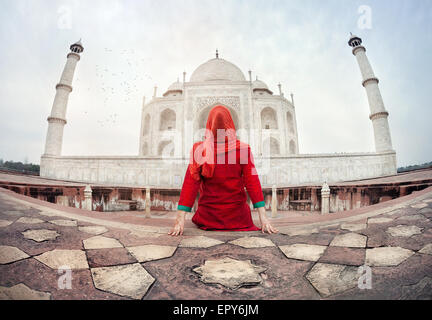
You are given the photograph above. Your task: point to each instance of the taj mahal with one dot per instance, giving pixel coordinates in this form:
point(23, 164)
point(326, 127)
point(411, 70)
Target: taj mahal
point(171, 123)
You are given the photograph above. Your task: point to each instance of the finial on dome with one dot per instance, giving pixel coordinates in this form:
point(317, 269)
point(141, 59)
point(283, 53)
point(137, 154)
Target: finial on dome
point(217, 54)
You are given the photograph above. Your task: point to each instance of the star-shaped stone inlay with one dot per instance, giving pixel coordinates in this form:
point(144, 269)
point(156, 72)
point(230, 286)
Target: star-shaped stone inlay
point(300, 251)
point(73, 259)
point(101, 242)
point(404, 231)
point(96, 230)
point(350, 240)
point(387, 256)
point(230, 273)
point(29, 220)
point(151, 252)
point(40, 235)
point(22, 292)
point(64, 223)
point(130, 280)
point(199, 242)
point(11, 254)
point(253, 242)
point(330, 279)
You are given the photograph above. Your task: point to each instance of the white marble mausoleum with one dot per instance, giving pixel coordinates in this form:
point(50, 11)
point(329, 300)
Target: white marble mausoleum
point(172, 122)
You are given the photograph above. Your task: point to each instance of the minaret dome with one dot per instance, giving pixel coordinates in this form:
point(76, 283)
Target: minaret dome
point(354, 41)
point(77, 47)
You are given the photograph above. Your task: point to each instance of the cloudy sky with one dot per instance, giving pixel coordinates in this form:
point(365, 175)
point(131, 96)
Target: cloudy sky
point(131, 46)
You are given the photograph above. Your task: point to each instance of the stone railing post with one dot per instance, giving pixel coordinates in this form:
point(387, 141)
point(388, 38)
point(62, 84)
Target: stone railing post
point(325, 198)
point(274, 202)
point(88, 202)
point(147, 203)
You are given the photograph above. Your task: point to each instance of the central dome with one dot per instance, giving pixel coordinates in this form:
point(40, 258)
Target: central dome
point(217, 69)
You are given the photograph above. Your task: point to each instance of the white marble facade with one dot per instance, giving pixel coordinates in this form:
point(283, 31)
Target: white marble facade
point(267, 121)
point(171, 123)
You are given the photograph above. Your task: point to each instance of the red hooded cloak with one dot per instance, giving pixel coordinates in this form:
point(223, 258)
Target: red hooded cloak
point(220, 168)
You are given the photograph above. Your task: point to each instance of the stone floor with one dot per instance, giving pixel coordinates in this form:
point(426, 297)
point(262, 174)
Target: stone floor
point(52, 252)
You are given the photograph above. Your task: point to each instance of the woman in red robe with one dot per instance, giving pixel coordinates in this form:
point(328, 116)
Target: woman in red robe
point(220, 168)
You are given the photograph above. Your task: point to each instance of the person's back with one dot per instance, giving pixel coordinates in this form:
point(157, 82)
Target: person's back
point(220, 171)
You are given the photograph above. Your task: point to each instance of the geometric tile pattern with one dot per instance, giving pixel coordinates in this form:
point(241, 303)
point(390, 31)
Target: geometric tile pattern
point(317, 261)
point(230, 273)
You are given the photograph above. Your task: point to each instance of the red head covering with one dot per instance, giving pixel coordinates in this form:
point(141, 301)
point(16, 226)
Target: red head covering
point(220, 129)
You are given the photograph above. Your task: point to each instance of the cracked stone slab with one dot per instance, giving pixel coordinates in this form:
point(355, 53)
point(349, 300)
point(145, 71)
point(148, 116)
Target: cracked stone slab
point(419, 205)
point(253, 242)
point(387, 256)
point(330, 279)
point(5, 223)
point(144, 234)
point(96, 230)
point(29, 220)
point(230, 273)
point(307, 252)
point(22, 292)
point(40, 235)
point(73, 259)
point(403, 231)
point(353, 226)
point(101, 242)
point(299, 231)
point(427, 249)
point(199, 242)
point(10, 254)
point(64, 223)
point(350, 240)
point(151, 252)
point(130, 280)
point(380, 220)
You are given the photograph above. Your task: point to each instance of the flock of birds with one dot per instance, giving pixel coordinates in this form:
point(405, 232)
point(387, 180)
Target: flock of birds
point(121, 86)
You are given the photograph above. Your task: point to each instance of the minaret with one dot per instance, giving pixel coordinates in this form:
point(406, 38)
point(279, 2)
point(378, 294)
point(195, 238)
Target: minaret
point(378, 113)
point(57, 118)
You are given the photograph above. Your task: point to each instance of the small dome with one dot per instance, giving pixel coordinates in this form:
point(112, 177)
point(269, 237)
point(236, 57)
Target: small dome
point(217, 69)
point(260, 85)
point(175, 87)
